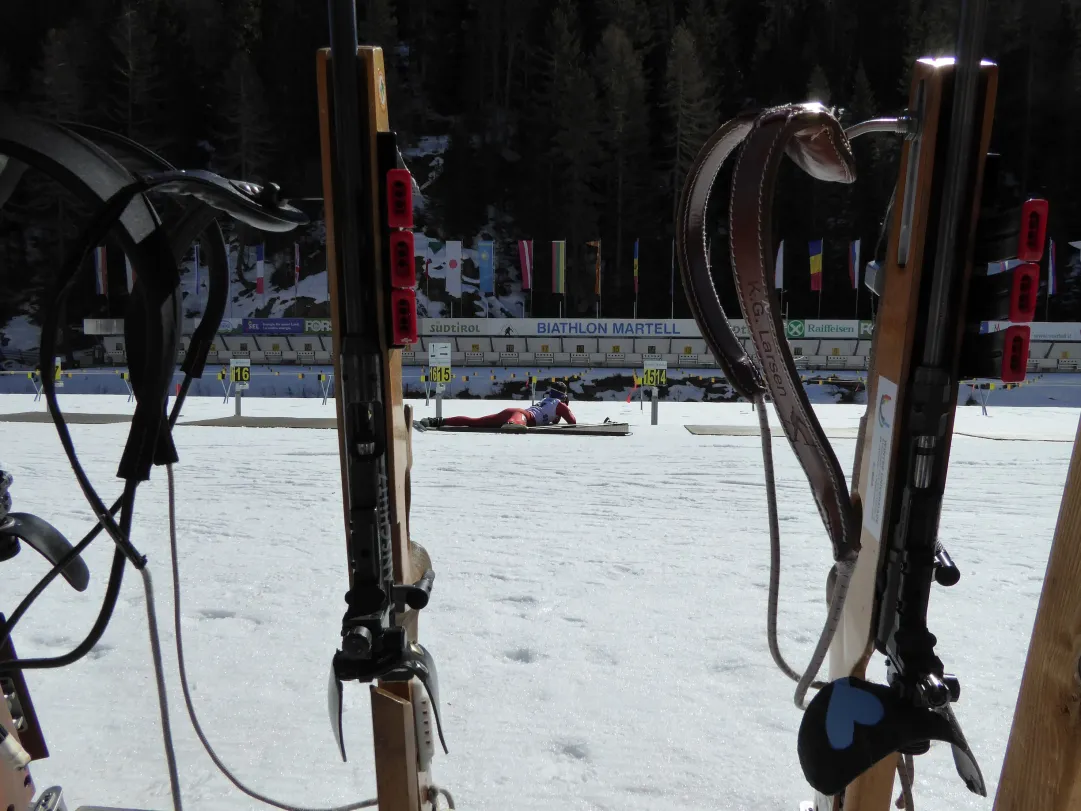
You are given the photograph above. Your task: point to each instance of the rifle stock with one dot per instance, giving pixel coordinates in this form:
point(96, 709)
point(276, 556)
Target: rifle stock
point(882, 465)
point(369, 400)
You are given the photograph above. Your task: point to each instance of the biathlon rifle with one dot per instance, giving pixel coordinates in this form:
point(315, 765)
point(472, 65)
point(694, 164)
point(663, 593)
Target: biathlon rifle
point(950, 212)
point(370, 260)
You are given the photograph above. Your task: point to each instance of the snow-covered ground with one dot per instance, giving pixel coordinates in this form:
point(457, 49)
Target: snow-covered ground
point(598, 614)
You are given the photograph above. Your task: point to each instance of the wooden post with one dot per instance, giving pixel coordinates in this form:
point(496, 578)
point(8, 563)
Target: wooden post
point(1042, 768)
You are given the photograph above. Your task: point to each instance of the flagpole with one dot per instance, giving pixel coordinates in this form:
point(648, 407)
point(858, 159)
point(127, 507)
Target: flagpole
point(672, 282)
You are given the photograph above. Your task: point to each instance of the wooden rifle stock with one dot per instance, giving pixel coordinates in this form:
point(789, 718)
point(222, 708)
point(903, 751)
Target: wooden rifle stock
point(906, 277)
point(401, 784)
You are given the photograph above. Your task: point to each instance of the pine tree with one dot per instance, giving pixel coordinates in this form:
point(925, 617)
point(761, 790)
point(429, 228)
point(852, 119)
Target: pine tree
point(49, 213)
point(137, 92)
point(245, 136)
point(818, 86)
point(378, 25)
point(572, 155)
point(58, 90)
point(691, 112)
point(625, 133)
point(633, 16)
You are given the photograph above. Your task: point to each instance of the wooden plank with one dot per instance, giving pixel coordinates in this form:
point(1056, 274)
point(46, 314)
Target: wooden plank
point(395, 744)
point(1042, 767)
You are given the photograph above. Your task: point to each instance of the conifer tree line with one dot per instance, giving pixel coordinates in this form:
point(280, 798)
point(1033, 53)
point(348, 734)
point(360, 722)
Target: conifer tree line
point(561, 119)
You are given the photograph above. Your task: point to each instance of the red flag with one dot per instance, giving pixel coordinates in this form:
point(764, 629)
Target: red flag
point(259, 269)
point(525, 257)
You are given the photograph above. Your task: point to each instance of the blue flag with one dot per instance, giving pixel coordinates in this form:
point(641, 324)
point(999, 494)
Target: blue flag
point(486, 266)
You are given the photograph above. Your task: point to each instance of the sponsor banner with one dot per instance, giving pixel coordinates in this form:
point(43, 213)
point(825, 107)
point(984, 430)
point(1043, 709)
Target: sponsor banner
point(273, 326)
point(571, 327)
point(1040, 330)
point(795, 329)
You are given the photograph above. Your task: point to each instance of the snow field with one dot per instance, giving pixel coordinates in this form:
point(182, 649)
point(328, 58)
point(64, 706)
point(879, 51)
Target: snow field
point(598, 615)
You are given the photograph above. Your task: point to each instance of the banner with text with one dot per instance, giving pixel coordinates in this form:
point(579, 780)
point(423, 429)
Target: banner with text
point(795, 329)
point(1040, 330)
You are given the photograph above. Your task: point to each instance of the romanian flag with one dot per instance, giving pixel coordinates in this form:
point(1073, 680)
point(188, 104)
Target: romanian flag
point(559, 267)
point(854, 264)
point(636, 267)
point(259, 267)
point(597, 270)
point(816, 264)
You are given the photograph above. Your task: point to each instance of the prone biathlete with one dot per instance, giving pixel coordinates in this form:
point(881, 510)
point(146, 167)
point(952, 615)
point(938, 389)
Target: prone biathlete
point(548, 411)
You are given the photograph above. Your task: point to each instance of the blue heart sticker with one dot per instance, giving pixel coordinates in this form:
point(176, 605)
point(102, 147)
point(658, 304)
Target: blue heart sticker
point(850, 706)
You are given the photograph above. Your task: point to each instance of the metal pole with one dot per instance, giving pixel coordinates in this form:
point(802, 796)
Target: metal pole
point(653, 400)
point(439, 405)
point(236, 401)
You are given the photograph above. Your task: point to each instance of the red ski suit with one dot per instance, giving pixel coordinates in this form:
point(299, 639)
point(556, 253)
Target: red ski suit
point(518, 416)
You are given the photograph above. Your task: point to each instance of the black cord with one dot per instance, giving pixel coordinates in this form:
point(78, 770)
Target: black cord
point(94, 232)
point(7, 627)
point(112, 592)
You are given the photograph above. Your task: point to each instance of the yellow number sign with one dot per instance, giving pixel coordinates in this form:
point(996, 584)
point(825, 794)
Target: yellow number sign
point(440, 374)
point(654, 377)
point(241, 374)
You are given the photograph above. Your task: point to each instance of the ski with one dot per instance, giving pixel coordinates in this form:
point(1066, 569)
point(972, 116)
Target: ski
point(368, 213)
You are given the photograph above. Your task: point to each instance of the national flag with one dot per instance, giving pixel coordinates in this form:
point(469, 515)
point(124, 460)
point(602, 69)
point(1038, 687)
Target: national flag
point(636, 267)
point(195, 263)
point(559, 267)
point(854, 264)
point(453, 254)
point(1052, 281)
point(596, 243)
point(816, 264)
point(259, 267)
point(101, 271)
point(486, 266)
point(778, 268)
point(525, 258)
